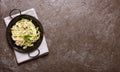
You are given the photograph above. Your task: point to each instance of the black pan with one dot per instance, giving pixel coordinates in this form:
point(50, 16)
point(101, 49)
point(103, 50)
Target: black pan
point(12, 43)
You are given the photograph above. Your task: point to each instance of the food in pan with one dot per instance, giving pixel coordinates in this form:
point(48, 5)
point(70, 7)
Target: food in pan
point(25, 33)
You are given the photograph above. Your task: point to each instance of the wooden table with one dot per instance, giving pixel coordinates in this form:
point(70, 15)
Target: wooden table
point(82, 36)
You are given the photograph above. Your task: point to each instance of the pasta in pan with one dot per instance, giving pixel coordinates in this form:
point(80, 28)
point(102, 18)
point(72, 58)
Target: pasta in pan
point(24, 33)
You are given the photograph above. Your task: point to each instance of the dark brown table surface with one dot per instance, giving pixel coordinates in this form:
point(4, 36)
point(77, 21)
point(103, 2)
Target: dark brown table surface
point(82, 36)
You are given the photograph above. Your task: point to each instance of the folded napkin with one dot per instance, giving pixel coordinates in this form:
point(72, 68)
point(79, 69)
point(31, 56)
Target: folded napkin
point(23, 57)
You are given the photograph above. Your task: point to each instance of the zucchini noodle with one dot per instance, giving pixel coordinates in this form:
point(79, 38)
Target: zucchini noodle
point(24, 33)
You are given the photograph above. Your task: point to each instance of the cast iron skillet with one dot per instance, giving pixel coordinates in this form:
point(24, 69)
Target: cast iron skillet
point(12, 43)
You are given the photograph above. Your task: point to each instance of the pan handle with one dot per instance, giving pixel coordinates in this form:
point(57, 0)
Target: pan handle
point(35, 55)
point(10, 14)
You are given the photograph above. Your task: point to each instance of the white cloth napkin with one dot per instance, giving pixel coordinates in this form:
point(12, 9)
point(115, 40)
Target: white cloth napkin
point(23, 57)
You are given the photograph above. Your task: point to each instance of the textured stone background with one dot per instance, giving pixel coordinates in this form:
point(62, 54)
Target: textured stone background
point(82, 36)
